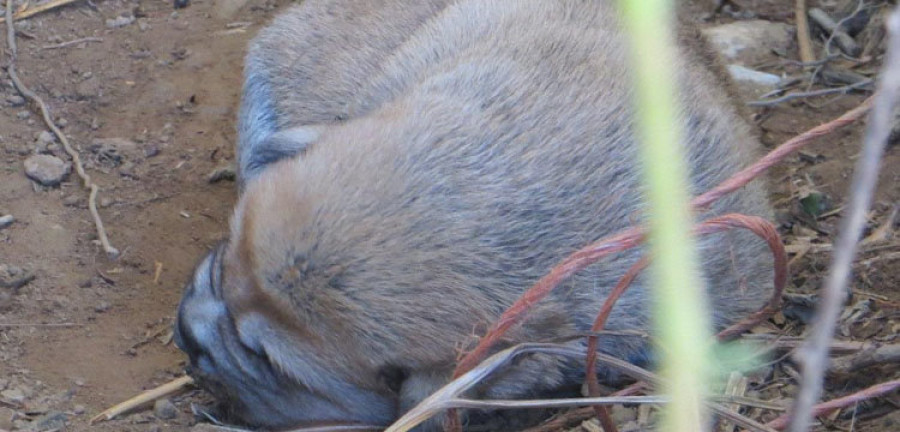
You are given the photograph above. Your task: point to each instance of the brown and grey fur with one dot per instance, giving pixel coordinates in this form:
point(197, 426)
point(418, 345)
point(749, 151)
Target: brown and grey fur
point(407, 170)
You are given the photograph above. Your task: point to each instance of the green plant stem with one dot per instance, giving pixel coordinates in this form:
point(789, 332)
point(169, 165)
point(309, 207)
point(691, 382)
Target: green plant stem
point(681, 317)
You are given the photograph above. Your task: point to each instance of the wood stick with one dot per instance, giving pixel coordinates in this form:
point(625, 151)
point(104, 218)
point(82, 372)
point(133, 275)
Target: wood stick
point(111, 252)
point(146, 397)
point(803, 42)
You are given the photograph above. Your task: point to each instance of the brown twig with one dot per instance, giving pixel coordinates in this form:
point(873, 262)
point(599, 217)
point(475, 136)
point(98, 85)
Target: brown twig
point(891, 256)
point(111, 252)
point(73, 42)
point(875, 355)
point(7, 325)
point(844, 41)
point(808, 94)
point(813, 355)
point(803, 43)
point(824, 408)
point(789, 343)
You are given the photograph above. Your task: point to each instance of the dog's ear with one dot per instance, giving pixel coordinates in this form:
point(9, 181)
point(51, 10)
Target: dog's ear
point(280, 145)
point(202, 310)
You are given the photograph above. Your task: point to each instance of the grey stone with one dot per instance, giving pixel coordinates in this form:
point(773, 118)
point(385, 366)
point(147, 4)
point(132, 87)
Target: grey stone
point(53, 420)
point(102, 306)
point(15, 395)
point(7, 416)
point(47, 170)
point(222, 173)
point(164, 409)
point(46, 137)
point(120, 21)
point(749, 42)
point(752, 83)
point(15, 100)
point(6, 220)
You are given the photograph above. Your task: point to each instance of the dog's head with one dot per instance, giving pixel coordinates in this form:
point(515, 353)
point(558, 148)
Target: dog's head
point(261, 375)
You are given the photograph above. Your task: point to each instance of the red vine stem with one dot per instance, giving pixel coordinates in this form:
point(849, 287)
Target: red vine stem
point(632, 236)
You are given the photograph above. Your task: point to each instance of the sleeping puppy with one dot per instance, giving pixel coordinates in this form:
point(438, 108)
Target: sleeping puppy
point(407, 170)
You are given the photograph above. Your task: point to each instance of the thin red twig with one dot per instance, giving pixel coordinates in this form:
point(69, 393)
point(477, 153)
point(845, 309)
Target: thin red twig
point(575, 262)
point(591, 360)
point(824, 408)
point(759, 226)
point(745, 175)
point(628, 238)
point(766, 230)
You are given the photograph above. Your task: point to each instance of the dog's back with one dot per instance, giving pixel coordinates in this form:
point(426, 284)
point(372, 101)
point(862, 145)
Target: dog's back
point(410, 168)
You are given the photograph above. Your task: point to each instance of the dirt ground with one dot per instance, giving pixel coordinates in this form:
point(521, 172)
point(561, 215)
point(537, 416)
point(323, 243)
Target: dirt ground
point(151, 108)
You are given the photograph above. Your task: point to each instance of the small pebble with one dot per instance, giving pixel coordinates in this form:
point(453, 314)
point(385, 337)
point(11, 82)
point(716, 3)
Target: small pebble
point(22, 115)
point(102, 306)
point(46, 137)
point(62, 122)
point(164, 409)
point(79, 409)
point(15, 100)
point(151, 151)
point(222, 173)
point(53, 420)
point(6, 221)
point(14, 395)
point(40, 147)
point(7, 415)
point(47, 170)
point(6, 304)
point(127, 170)
point(120, 21)
point(71, 201)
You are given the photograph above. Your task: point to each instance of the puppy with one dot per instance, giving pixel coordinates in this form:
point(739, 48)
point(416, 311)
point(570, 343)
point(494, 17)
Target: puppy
point(407, 170)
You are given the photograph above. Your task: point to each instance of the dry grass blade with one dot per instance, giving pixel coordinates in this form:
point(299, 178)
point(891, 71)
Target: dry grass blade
point(814, 354)
point(553, 403)
point(437, 401)
point(32, 11)
point(146, 397)
point(448, 396)
point(204, 427)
